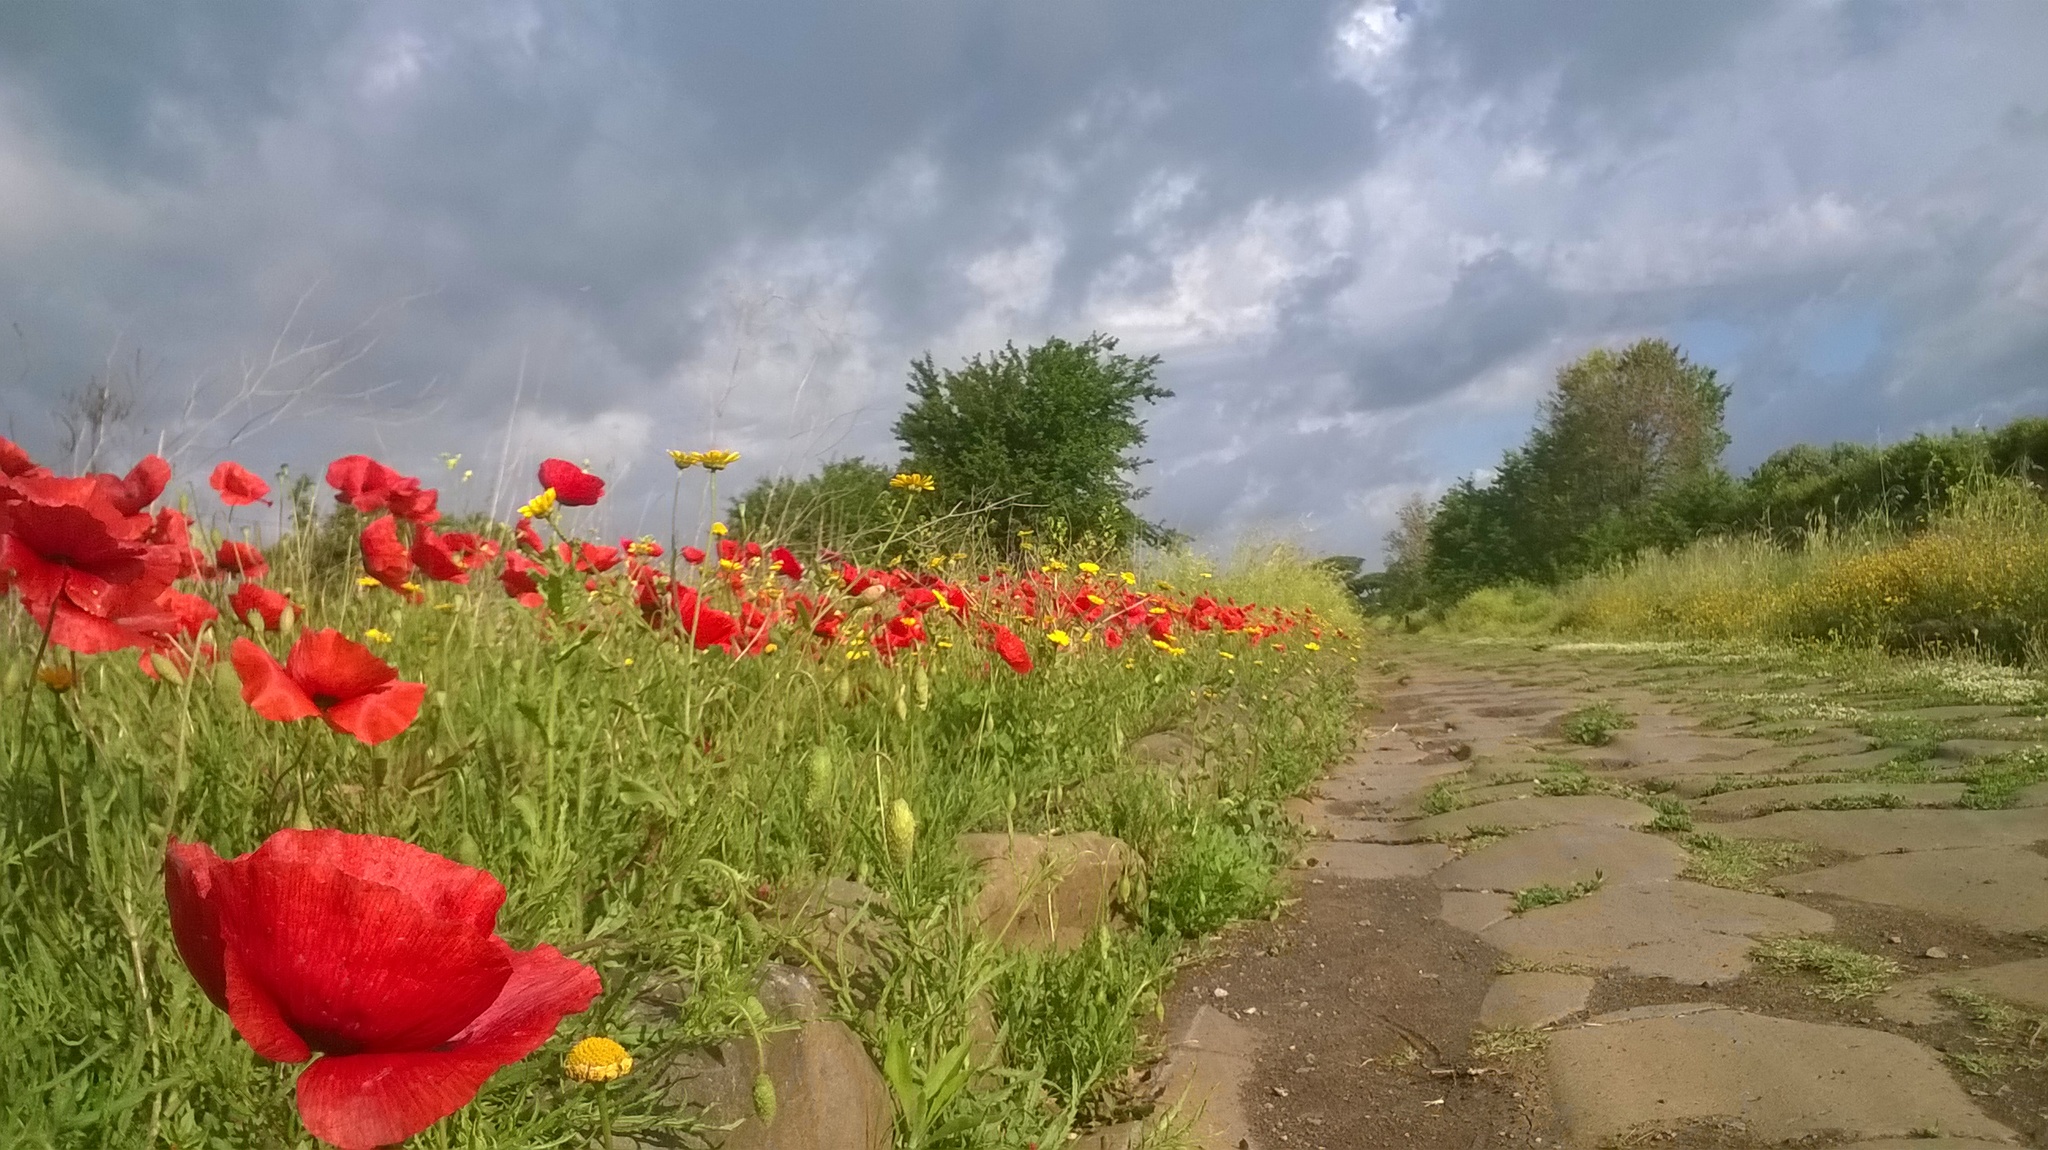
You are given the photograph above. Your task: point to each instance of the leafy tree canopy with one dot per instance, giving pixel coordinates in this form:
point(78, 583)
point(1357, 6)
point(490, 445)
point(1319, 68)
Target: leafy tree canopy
point(1044, 438)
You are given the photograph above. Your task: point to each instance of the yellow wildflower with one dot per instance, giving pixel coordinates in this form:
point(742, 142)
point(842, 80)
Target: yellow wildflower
point(597, 1059)
point(1053, 565)
point(685, 460)
point(913, 482)
point(1058, 638)
point(57, 677)
point(1312, 646)
point(1130, 579)
point(717, 460)
point(1090, 569)
point(1225, 655)
point(376, 636)
point(365, 581)
point(718, 529)
point(540, 506)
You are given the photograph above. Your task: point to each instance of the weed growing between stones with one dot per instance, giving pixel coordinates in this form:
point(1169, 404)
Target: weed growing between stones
point(1546, 894)
point(2009, 1037)
point(1738, 864)
point(1594, 726)
point(1840, 973)
point(1672, 814)
point(1507, 1043)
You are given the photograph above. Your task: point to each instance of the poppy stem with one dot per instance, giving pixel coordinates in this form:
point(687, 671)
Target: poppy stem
point(28, 697)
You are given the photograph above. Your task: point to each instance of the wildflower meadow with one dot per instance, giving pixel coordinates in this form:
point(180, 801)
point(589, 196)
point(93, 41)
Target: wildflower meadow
point(329, 818)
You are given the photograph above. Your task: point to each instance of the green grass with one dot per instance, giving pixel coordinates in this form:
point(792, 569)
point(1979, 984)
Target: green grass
point(1594, 725)
point(1839, 973)
point(1547, 894)
point(632, 795)
point(1738, 864)
point(1672, 814)
point(1443, 798)
point(2009, 1037)
point(1507, 1043)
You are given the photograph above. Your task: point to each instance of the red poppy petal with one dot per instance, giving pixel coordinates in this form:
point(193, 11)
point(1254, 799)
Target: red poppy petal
point(326, 662)
point(89, 634)
point(357, 965)
point(442, 885)
point(256, 1015)
point(363, 1101)
point(191, 871)
point(366, 1100)
point(266, 688)
point(379, 715)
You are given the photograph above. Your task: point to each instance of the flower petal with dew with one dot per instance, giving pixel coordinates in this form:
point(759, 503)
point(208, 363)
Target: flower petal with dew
point(329, 676)
point(379, 956)
point(571, 484)
point(237, 486)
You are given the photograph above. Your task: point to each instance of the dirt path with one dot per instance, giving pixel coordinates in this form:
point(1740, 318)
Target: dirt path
point(1506, 938)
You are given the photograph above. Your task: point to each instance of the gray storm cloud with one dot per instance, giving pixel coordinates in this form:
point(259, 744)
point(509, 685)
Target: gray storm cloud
point(1362, 235)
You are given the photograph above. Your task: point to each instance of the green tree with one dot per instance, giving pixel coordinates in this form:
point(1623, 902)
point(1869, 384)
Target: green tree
point(1043, 438)
point(1626, 454)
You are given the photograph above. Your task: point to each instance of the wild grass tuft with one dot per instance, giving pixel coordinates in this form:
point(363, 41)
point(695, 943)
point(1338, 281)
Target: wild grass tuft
point(1594, 726)
point(1840, 972)
point(1547, 894)
point(1739, 864)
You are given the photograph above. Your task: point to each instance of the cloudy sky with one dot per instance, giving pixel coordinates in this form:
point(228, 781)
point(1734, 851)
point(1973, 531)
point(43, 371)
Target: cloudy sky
point(1362, 236)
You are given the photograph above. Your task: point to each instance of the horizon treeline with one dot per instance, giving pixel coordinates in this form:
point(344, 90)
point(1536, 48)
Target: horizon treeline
point(1626, 457)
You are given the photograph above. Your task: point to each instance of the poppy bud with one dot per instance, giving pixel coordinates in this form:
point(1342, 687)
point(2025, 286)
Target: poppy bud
point(16, 678)
point(166, 669)
point(901, 705)
point(874, 594)
point(902, 833)
point(764, 1097)
point(287, 619)
point(254, 619)
point(824, 773)
point(844, 689)
point(921, 681)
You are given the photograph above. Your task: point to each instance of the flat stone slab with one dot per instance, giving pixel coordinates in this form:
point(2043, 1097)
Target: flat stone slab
point(1202, 1074)
point(1565, 855)
point(1529, 1000)
point(1683, 931)
point(1474, 911)
point(1997, 888)
point(1544, 811)
point(1642, 748)
point(1659, 1068)
point(1963, 750)
point(2023, 983)
point(1877, 831)
point(1754, 801)
point(1376, 860)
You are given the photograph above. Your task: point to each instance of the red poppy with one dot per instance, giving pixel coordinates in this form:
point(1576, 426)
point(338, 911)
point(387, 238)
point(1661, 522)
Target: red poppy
point(237, 486)
point(693, 555)
point(86, 570)
point(241, 558)
point(139, 488)
point(190, 613)
point(369, 486)
point(384, 557)
point(332, 677)
point(528, 537)
point(596, 557)
point(376, 954)
point(517, 578)
point(574, 487)
point(437, 555)
point(268, 605)
point(14, 461)
point(786, 564)
point(1012, 649)
point(706, 626)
